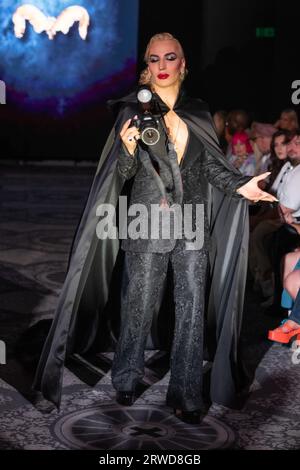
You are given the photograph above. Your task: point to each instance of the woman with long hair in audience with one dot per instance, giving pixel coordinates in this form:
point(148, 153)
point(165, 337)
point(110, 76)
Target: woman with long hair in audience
point(267, 220)
point(278, 156)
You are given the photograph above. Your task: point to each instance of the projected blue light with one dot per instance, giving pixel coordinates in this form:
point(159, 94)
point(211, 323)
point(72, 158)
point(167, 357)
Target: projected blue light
point(39, 72)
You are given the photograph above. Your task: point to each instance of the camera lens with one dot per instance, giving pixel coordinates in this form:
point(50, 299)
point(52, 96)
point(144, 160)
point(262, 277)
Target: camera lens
point(150, 136)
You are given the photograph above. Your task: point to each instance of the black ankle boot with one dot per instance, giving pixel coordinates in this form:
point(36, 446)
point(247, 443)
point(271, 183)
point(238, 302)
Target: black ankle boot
point(125, 398)
point(190, 417)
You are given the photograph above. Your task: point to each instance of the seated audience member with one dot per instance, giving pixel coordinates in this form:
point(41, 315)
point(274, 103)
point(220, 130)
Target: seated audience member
point(219, 118)
point(242, 156)
point(291, 264)
point(288, 120)
point(287, 237)
point(290, 327)
point(273, 237)
point(289, 193)
point(278, 156)
point(278, 159)
point(261, 134)
point(237, 121)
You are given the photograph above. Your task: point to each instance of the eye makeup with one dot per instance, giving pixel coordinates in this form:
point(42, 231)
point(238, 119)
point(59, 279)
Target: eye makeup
point(169, 56)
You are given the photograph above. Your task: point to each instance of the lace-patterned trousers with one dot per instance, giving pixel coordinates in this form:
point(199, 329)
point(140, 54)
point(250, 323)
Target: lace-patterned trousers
point(143, 279)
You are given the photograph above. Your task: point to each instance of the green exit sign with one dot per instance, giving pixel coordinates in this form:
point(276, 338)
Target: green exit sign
point(265, 32)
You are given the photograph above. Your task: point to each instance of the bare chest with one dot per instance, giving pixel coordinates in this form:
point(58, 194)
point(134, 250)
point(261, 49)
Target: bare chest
point(178, 133)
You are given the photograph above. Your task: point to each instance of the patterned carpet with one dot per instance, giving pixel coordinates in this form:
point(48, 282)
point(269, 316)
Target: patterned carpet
point(40, 207)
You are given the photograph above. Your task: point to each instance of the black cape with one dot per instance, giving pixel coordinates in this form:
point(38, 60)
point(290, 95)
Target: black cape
point(87, 315)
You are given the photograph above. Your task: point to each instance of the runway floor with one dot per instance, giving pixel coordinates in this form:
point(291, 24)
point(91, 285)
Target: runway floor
point(40, 208)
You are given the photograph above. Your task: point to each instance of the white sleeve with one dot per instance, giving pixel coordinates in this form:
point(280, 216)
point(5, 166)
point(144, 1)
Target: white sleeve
point(277, 180)
point(290, 197)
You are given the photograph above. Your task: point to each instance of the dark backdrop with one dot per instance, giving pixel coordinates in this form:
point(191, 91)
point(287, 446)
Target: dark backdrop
point(229, 67)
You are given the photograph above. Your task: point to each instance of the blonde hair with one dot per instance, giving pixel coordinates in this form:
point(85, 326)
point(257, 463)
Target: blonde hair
point(145, 77)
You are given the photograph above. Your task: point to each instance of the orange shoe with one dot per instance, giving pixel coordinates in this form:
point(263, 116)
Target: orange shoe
point(282, 336)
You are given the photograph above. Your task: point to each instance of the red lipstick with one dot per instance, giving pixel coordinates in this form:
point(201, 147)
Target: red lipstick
point(163, 76)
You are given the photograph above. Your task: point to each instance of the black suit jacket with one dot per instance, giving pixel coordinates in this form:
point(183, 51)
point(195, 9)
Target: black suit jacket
point(189, 183)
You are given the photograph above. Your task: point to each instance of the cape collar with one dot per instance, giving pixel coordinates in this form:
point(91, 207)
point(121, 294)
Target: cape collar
point(181, 98)
point(115, 105)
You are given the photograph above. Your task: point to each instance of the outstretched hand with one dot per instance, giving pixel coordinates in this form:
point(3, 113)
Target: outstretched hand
point(252, 191)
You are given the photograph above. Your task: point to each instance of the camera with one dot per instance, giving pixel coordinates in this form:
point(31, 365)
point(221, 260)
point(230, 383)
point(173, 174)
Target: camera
point(146, 122)
point(148, 128)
